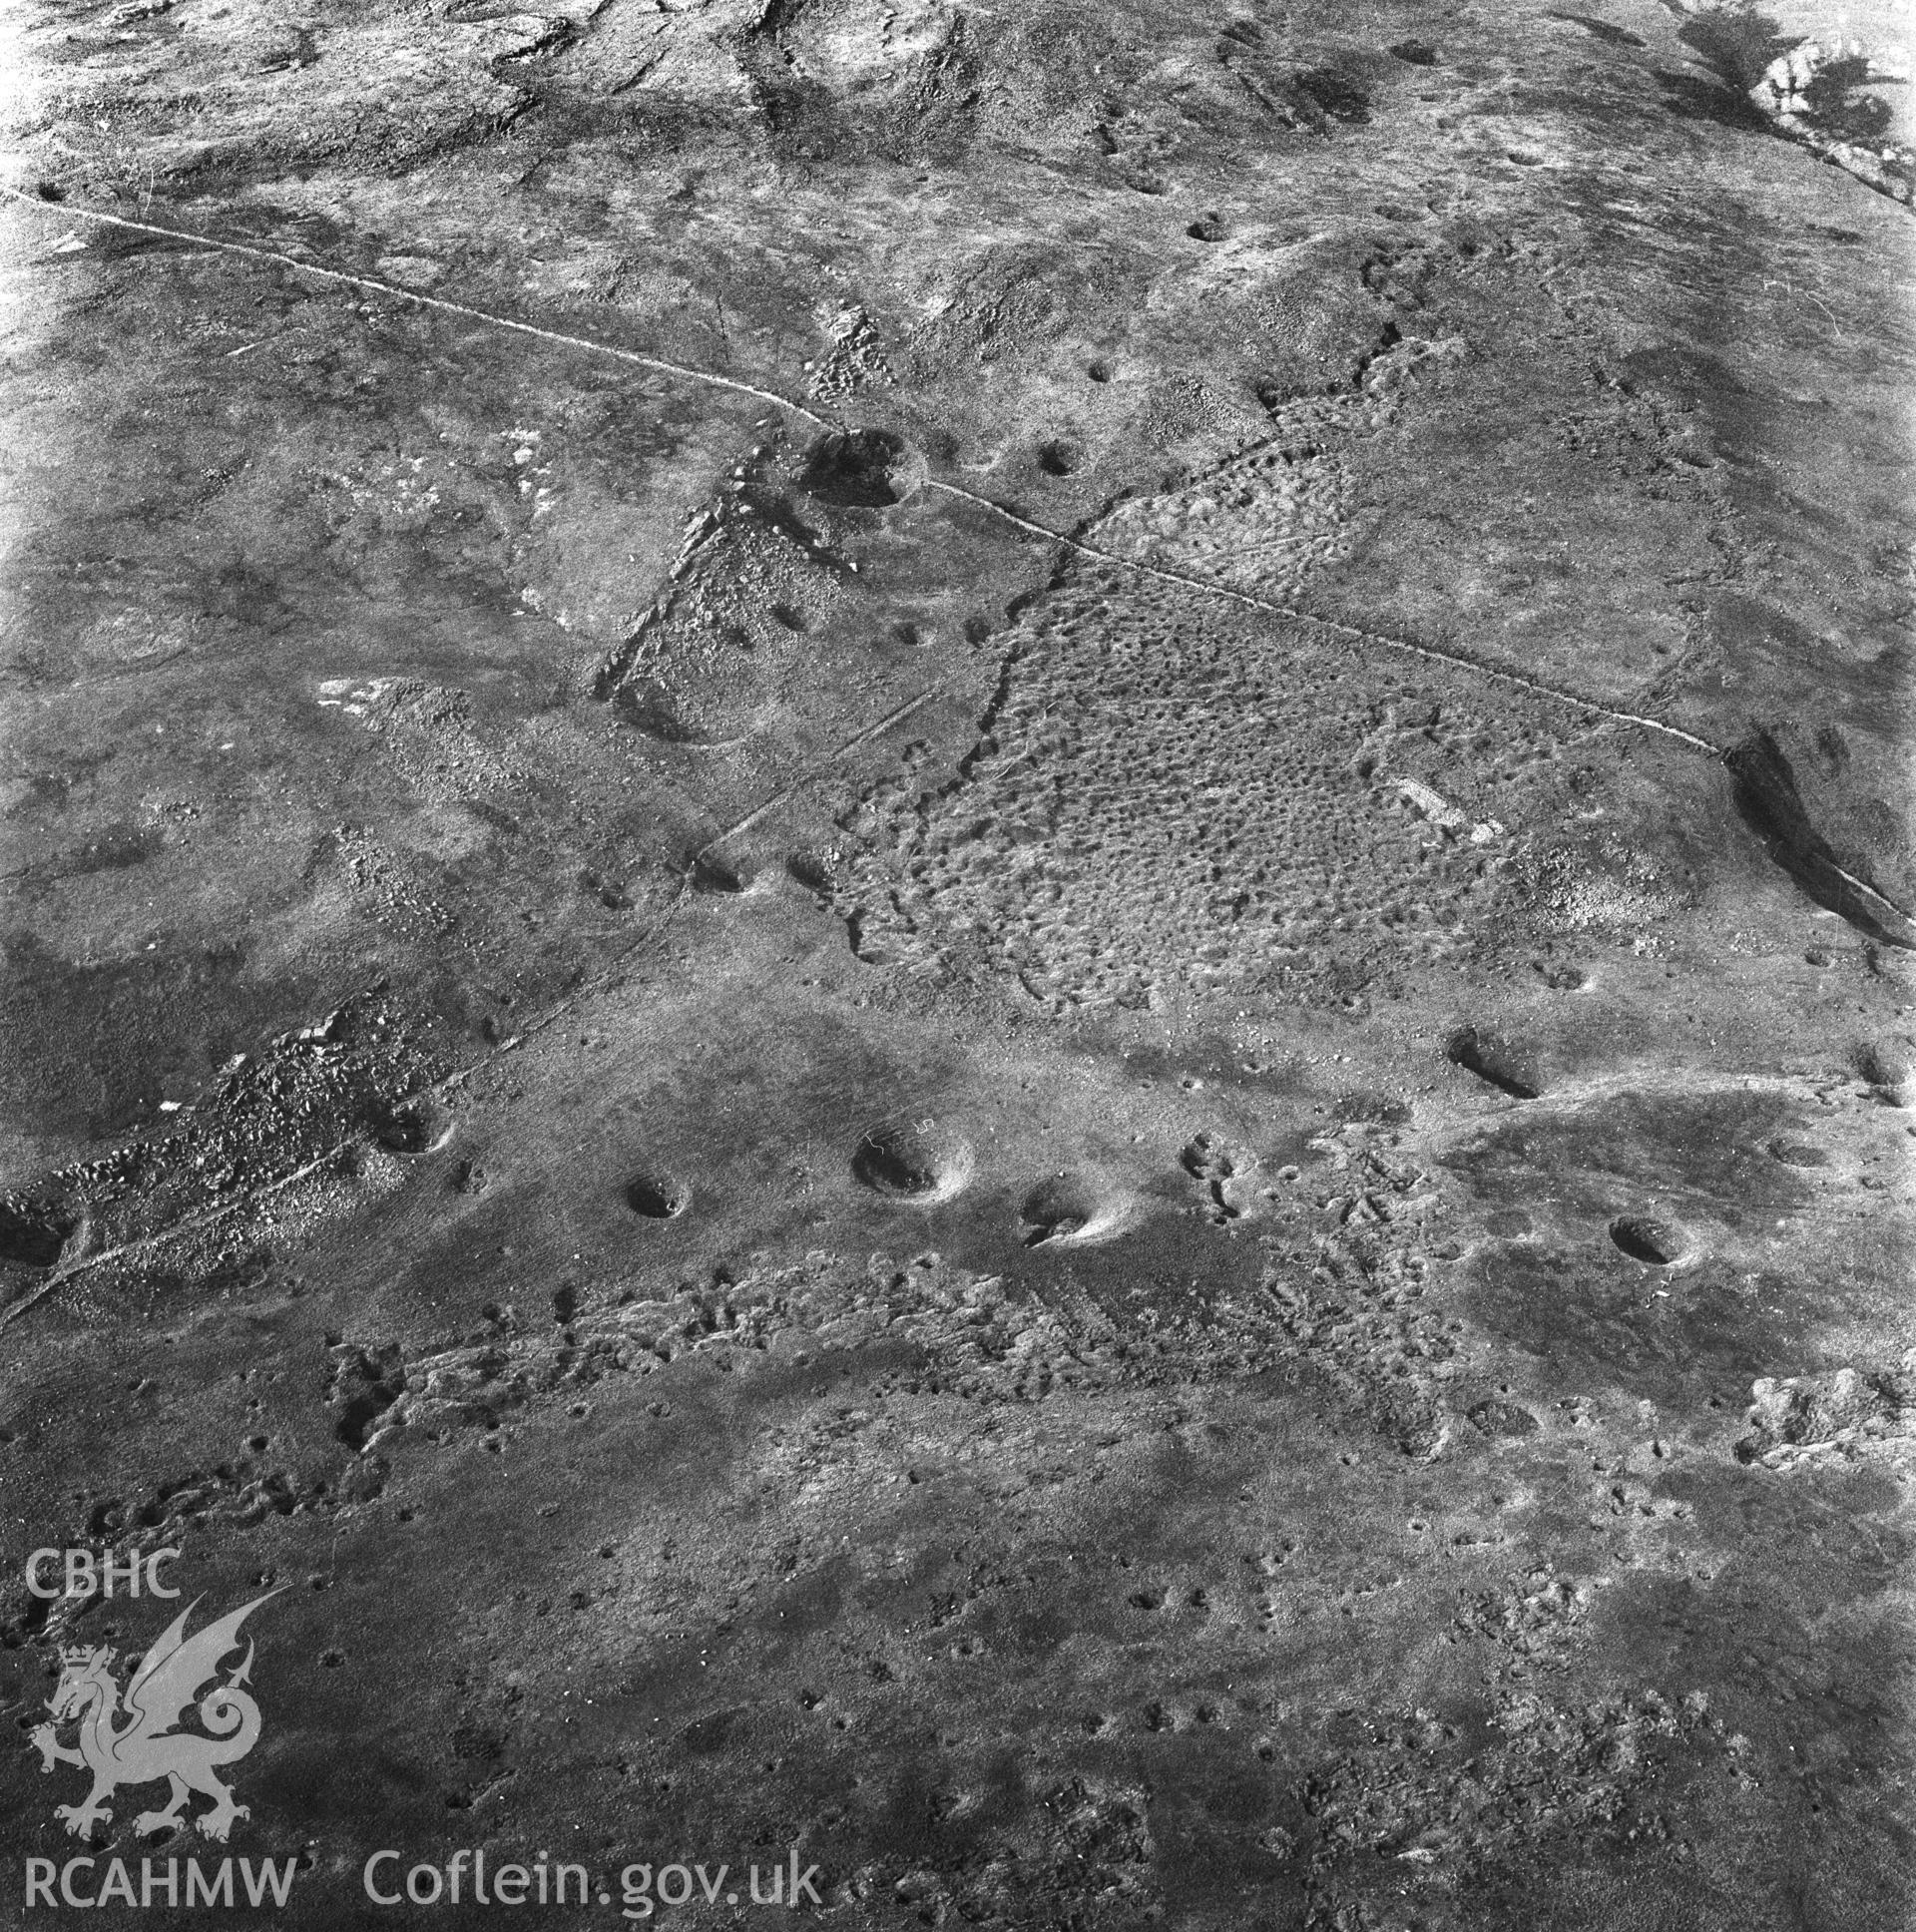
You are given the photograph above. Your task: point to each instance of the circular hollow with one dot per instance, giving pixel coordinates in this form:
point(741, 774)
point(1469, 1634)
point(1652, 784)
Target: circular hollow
point(911, 1161)
point(657, 1196)
point(863, 468)
point(1876, 1066)
point(713, 874)
point(1209, 227)
point(1066, 1207)
point(1100, 370)
point(651, 711)
point(1060, 457)
point(1381, 1110)
point(1654, 1242)
point(1499, 1418)
point(811, 871)
point(33, 1233)
point(411, 1126)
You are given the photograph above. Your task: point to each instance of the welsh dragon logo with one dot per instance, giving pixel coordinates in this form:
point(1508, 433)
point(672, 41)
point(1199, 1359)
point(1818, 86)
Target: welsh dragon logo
point(140, 1742)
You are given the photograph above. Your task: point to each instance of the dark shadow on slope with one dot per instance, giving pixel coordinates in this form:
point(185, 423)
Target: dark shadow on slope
point(1493, 1060)
point(1737, 43)
point(1695, 99)
point(1768, 802)
point(1601, 29)
point(1832, 107)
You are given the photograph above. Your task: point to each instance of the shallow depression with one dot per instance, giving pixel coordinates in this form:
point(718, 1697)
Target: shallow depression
point(1655, 1242)
point(911, 1161)
point(33, 1234)
point(656, 1196)
point(1063, 1208)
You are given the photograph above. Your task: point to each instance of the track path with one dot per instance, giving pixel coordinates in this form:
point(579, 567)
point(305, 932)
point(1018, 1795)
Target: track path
point(1199, 586)
point(1349, 633)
